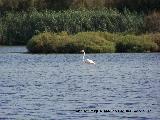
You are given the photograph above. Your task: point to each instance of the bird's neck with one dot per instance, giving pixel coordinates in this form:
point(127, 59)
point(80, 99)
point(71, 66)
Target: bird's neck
point(83, 55)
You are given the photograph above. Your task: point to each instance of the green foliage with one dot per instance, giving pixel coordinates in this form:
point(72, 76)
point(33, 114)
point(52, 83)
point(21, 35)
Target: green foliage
point(41, 43)
point(20, 27)
point(131, 43)
point(64, 43)
point(92, 42)
point(48, 43)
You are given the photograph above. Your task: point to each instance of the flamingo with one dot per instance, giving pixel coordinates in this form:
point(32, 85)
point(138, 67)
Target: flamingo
point(88, 61)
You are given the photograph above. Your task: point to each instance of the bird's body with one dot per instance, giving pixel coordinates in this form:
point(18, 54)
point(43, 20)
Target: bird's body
point(88, 61)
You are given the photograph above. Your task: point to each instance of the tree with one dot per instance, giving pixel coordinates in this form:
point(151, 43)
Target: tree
point(25, 4)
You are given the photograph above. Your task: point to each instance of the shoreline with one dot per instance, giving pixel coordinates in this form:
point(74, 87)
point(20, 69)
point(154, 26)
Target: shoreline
point(23, 46)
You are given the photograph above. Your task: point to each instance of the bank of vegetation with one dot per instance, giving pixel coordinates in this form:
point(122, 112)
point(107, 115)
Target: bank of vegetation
point(23, 20)
point(92, 42)
point(18, 28)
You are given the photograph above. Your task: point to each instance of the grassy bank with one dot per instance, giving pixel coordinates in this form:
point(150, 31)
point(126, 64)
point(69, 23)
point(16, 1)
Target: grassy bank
point(92, 42)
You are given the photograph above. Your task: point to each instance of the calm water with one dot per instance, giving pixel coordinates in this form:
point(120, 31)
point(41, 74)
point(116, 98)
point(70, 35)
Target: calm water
point(61, 87)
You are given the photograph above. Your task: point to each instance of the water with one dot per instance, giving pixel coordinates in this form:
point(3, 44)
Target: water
point(61, 87)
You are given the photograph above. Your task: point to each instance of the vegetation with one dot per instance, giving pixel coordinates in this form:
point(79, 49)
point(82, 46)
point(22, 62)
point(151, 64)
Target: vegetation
point(63, 43)
point(18, 28)
point(23, 5)
point(152, 22)
point(156, 39)
point(110, 25)
point(92, 42)
point(131, 43)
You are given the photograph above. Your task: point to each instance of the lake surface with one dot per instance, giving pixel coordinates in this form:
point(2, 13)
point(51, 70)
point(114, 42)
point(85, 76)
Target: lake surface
point(62, 87)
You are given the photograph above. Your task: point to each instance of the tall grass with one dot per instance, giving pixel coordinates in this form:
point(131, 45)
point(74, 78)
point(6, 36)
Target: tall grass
point(19, 27)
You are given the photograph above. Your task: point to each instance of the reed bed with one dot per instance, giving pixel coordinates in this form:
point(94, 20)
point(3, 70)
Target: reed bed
point(18, 27)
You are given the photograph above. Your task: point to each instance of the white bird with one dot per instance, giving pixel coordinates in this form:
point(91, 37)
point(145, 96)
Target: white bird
point(88, 61)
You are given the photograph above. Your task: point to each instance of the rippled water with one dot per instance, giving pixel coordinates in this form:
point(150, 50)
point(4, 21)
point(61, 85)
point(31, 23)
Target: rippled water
point(61, 87)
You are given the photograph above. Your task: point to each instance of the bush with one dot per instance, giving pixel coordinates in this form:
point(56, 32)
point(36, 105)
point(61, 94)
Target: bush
point(48, 43)
point(92, 42)
point(152, 22)
point(41, 43)
point(132, 43)
point(64, 43)
point(156, 39)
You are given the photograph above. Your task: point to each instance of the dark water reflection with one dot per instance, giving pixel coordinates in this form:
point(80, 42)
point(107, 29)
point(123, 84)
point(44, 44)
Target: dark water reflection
point(50, 87)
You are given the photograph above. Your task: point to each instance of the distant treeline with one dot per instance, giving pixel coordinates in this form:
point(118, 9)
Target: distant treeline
point(23, 5)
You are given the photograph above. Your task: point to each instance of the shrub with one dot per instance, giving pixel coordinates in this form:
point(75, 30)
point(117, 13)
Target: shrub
point(156, 39)
point(131, 43)
point(41, 43)
point(152, 22)
point(48, 43)
point(92, 42)
point(64, 43)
